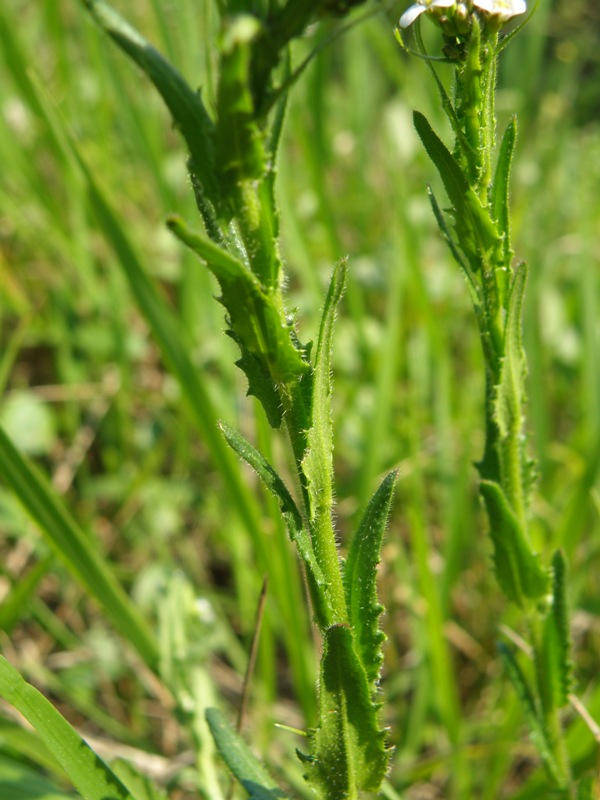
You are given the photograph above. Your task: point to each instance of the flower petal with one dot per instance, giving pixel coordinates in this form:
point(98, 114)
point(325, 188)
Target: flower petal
point(411, 14)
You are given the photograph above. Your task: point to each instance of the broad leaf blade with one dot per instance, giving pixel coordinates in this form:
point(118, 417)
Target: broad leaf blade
point(75, 548)
point(88, 773)
point(241, 761)
point(185, 105)
point(348, 747)
point(360, 579)
point(518, 569)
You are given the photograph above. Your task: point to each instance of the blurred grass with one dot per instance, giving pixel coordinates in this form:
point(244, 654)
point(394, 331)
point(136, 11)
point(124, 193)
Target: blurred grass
point(408, 384)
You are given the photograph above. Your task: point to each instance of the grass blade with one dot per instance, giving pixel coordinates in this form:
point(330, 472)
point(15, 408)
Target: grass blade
point(75, 548)
point(89, 774)
point(241, 761)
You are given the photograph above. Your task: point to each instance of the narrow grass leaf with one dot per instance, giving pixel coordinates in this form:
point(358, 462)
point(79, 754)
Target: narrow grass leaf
point(501, 186)
point(348, 750)
point(539, 734)
point(92, 778)
point(18, 781)
point(241, 761)
point(16, 604)
point(185, 105)
point(360, 579)
point(74, 548)
point(140, 786)
point(556, 666)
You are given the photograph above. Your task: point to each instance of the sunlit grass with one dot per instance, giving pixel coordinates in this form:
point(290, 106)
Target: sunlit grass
point(408, 389)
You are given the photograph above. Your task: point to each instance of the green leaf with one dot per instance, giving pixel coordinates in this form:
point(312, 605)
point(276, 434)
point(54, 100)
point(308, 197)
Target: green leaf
point(289, 509)
point(185, 105)
point(476, 233)
point(270, 358)
point(360, 579)
point(501, 186)
point(348, 752)
point(510, 390)
point(239, 147)
point(518, 569)
point(317, 465)
point(139, 785)
point(585, 789)
point(19, 781)
point(75, 548)
point(556, 668)
point(92, 778)
point(539, 734)
point(241, 761)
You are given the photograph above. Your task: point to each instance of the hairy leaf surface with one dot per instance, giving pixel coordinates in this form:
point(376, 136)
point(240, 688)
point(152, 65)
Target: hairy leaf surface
point(518, 569)
point(556, 664)
point(348, 747)
point(360, 579)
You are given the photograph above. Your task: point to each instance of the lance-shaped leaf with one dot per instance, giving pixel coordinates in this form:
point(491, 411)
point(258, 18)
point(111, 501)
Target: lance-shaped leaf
point(348, 752)
point(88, 773)
point(556, 668)
point(290, 513)
point(477, 234)
point(317, 465)
point(539, 734)
point(241, 761)
point(185, 105)
point(360, 579)
point(509, 392)
point(271, 358)
point(501, 186)
point(518, 569)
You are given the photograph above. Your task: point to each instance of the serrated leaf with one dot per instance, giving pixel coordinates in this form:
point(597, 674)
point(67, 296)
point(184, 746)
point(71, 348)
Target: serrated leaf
point(185, 105)
point(477, 234)
point(539, 734)
point(271, 357)
point(348, 752)
point(360, 579)
point(289, 509)
point(241, 761)
point(556, 667)
point(518, 569)
point(501, 186)
point(86, 770)
point(317, 465)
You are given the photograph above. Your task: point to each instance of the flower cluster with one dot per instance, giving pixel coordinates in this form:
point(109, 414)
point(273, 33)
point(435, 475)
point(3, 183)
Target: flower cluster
point(500, 10)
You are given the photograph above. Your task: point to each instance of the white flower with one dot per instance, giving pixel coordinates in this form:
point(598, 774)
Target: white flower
point(503, 9)
point(411, 14)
